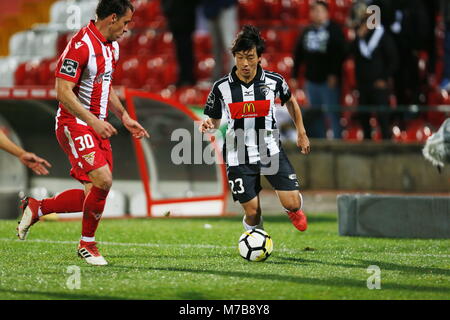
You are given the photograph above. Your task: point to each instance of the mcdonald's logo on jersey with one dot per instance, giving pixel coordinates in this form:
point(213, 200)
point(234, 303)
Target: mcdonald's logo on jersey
point(249, 109)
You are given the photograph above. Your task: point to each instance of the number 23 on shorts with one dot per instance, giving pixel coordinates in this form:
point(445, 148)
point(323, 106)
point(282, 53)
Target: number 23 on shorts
point(237, 186)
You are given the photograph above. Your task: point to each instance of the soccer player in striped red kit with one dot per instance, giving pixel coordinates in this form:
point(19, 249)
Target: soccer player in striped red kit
point(83, 86)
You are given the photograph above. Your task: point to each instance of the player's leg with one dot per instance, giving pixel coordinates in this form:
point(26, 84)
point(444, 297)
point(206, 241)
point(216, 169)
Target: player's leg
point(286, 186)
point(32, 209)
point(245, 185)
point(292, 202)
point(94, 204)
point(252, 218)
point(69, 137)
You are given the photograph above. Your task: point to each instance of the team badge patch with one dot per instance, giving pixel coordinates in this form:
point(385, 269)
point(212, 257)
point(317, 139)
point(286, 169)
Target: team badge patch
point(90, 157)
point(285, 88)
point(69, 67)
point(211, 100)
point(265, 90)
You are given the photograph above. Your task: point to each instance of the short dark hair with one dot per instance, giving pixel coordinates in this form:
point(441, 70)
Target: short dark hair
point(248, 38)
point(106, 8)
point(320, 3)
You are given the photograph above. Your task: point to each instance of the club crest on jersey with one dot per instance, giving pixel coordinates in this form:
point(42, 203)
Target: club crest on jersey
point(90, 158)
point(265, 90)
point(69, 68)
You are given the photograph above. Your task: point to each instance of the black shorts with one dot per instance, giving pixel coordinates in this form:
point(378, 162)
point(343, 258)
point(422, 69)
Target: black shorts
point(245, 179)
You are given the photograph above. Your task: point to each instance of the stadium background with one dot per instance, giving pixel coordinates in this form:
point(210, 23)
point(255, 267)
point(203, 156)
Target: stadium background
point(34, 33)
point(197, 259)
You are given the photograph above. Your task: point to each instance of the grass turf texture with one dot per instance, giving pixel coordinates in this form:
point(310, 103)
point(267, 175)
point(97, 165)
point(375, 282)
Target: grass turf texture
point(181, 259)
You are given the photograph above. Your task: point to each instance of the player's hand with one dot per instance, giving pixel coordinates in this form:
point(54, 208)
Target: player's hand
point(303, 143)
point(32, 161)
point(103, 128)
point(136, 130)
point(206, 125)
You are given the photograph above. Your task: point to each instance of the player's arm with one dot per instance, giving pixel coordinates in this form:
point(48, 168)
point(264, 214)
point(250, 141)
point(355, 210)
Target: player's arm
point(296, 115)
point(213, 109)
point(65, 95)
point(32, 161)
point(116, 106)
point(209, 124)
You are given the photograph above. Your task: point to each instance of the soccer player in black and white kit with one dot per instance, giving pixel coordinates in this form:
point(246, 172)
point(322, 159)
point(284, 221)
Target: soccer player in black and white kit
point(247, 98)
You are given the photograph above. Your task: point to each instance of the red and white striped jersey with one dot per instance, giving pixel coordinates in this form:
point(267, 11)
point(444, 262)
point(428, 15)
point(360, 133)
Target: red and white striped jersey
point(89, 61)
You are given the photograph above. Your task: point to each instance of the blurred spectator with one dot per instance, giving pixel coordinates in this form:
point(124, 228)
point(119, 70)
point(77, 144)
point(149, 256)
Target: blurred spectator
point(432, 11)
point(181, 18)
point(222, 24)
point(445, 9)
point(376, 60)
point(410, 30)
point(321, 47)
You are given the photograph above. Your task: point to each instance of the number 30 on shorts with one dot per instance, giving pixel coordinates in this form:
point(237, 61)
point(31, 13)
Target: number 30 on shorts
point(237, 186)
point(85, 142)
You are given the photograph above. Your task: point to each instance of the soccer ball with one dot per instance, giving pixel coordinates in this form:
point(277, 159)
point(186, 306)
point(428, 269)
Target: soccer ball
point(255, 245)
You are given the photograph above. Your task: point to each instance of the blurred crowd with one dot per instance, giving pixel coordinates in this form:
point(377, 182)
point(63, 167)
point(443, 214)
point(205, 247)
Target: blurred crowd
point(361, 69)
point(386, 41)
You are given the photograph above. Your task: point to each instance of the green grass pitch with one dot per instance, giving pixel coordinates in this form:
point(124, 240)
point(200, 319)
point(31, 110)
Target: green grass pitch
point(182, 259)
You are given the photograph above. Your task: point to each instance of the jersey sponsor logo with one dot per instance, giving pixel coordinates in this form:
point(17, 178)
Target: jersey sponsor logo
point(69, 67)
point(249, 109)
point(90, 158)
point(105, 76)
point(78, 45)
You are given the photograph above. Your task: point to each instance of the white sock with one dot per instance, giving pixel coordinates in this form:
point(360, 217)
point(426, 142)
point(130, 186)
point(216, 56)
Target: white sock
point(260, 225)
point(301, 200)
point(88, 239)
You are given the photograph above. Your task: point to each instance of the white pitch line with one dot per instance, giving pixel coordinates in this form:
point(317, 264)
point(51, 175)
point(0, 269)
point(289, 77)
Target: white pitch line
point(154, 245)
point(200, 246)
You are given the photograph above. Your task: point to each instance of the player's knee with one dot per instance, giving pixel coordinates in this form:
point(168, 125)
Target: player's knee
point(101, 178)
point(106, 184)
point(253, 212)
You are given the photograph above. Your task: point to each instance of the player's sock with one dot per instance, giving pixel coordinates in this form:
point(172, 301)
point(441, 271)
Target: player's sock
point(65, 202)
point(301, 201)
point(88, 239)
point(92, 210)
point(260, 225)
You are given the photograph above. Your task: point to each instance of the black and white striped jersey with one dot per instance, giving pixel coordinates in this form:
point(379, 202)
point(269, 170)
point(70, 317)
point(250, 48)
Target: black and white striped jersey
point(248, 108)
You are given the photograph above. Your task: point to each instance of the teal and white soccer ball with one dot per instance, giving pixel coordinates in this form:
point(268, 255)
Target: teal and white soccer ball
point(255, 245)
